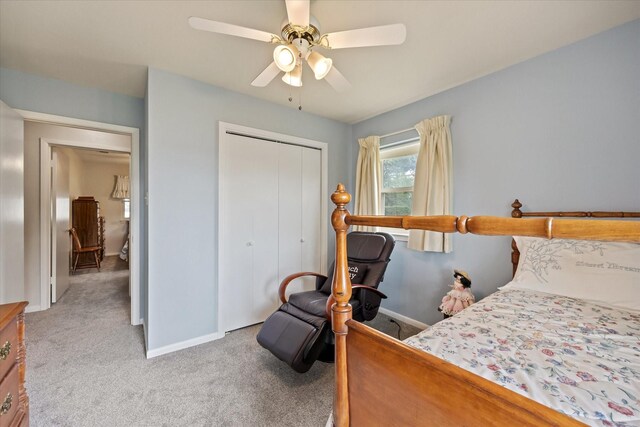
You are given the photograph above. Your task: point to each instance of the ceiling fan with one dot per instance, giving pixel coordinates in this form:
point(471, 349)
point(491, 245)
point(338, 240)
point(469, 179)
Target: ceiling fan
point(299, 38)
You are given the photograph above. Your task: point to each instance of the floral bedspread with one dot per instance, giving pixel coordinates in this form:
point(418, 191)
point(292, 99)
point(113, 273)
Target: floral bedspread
point(577, 357)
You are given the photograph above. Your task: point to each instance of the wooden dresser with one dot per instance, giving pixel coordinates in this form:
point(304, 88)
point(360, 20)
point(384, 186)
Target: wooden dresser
point(14, 403)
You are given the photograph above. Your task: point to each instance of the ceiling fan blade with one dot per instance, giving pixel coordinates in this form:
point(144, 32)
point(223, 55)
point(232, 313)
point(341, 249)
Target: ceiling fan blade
point(383, 35)
point(230, 29)
point(298, 12)
point(337, 80)
point(266, 76)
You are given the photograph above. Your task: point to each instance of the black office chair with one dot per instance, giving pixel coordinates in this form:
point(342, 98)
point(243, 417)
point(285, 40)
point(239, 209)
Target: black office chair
point(299, 333)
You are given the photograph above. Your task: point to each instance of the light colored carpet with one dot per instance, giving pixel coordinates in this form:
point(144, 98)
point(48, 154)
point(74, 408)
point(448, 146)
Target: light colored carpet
point(86, 367)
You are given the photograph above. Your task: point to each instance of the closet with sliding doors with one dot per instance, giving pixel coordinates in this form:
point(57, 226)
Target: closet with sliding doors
point(270, 223)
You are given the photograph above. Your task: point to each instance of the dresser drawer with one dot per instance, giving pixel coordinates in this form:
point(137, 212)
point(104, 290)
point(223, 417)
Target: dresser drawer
point(9, 400)
point(8, 347)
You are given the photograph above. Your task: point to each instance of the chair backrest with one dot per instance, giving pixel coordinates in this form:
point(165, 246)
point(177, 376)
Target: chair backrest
point(368, 254)
point(76, 241)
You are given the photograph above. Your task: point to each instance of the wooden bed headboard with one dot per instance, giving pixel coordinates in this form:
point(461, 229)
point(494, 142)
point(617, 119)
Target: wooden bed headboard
point(517, 213)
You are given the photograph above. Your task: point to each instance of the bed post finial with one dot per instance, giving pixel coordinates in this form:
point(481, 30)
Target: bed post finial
point(340, 197)
point(341, 310)
point(516, 212)
point(515, 252)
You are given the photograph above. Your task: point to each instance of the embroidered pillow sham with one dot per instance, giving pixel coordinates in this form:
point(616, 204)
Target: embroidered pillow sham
point(606, 272)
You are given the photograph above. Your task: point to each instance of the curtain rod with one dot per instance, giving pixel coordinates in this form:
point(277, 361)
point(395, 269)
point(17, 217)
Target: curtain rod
point(404, 141)
point(397, 133)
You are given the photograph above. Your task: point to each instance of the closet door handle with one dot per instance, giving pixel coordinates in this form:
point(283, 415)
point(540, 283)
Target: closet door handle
point(301, 240)
point(250, 243)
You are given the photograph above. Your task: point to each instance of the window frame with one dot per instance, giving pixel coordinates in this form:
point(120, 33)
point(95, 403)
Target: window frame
point(126, 209)
point(407, 148)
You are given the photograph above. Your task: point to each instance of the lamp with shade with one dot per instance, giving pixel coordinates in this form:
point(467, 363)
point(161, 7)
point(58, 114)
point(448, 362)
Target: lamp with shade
point(293, 77)
point(121, 188)
point(319, 64)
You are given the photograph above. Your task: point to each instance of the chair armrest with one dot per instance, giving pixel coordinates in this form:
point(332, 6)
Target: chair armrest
point(288, 279)
point(330, 300)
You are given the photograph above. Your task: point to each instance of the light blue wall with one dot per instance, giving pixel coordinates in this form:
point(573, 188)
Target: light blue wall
point(183, 117)
point(559, 132)
point(45, 95)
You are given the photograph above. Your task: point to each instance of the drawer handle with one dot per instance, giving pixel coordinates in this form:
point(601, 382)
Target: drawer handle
point(5, 350)
point(6, 405)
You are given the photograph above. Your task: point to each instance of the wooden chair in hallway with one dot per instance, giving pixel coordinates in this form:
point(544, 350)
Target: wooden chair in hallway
point(78, 250)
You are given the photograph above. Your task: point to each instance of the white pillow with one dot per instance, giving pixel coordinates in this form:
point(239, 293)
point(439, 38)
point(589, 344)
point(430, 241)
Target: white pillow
point(606, 272)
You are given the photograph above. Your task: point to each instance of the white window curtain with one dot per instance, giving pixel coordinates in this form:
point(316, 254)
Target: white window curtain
point(432, 191)
point(368, 177)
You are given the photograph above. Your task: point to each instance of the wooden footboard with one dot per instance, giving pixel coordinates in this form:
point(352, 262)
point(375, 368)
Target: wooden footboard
point(382, 381)
point(391, 383)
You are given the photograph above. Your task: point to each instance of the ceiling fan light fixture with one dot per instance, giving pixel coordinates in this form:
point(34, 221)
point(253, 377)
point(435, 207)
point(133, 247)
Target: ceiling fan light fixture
point(319, 64)
point(285, 57)
point(300, 34)
point(294, 77)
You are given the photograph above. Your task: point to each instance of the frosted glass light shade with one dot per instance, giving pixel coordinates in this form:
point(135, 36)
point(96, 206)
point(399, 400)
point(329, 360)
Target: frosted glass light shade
point(319, 64)
point(285, 57)
point(294, 77)
point(121, 189)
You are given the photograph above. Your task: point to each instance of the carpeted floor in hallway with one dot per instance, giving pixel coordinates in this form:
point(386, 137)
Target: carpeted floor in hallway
point(86, 366)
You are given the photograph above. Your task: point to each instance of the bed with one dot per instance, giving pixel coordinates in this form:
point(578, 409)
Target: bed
point(461, 373)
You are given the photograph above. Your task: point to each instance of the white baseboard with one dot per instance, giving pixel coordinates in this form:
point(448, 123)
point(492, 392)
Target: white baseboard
point(184, 344)
point(112, 254)
point(31, 308)
point(404, 319)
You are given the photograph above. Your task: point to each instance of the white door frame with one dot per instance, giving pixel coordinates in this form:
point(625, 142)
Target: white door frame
point(45, 198)
point(223, 128)
point(53, 211)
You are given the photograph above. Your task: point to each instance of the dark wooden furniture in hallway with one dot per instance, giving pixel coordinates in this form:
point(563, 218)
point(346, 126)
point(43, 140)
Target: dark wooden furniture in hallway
point(89, 225)
point(93, 258)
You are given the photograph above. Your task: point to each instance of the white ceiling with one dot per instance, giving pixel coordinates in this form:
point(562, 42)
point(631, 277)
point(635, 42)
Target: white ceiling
point(110, 44)
point(101, 156)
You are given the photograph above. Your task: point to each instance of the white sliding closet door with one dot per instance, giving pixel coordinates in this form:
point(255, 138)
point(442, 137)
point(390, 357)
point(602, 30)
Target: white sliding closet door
point(299, 218)
point(290, 220)
point(249, 230)
point(312, 214)
point(270, 224)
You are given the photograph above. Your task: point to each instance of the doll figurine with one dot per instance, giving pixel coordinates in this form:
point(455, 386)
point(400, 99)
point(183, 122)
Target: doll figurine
point(460, 297)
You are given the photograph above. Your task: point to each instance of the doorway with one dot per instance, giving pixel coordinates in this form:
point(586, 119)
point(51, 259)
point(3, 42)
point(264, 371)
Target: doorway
point(89, 192)
point(40, 244)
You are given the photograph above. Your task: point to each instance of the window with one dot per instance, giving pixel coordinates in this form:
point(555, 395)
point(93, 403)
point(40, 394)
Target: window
point(126, 206)
point(398, 175)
